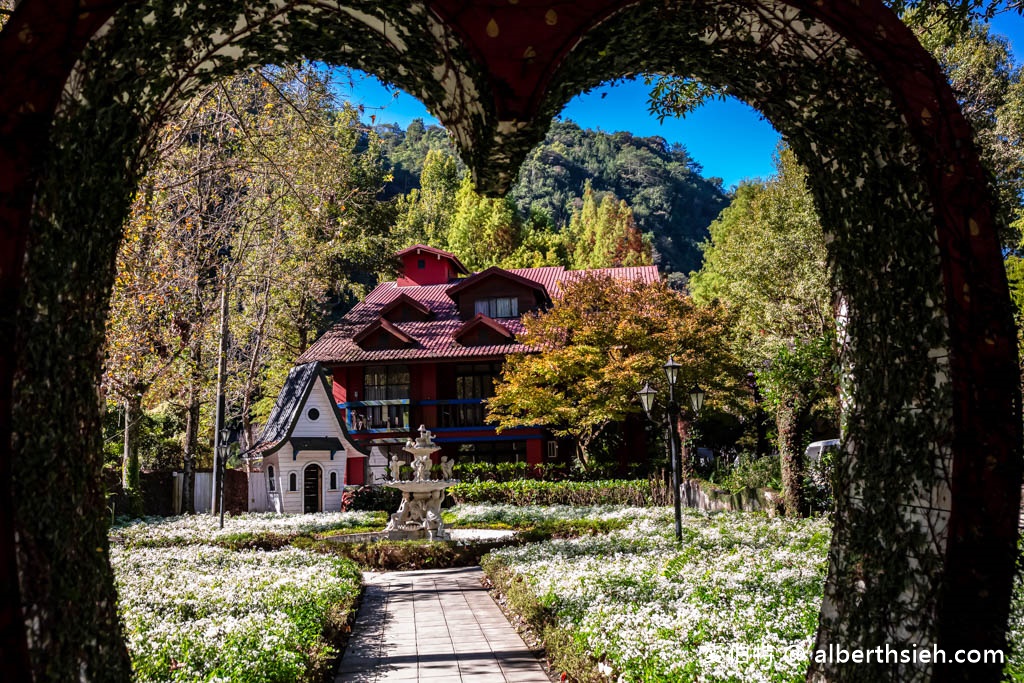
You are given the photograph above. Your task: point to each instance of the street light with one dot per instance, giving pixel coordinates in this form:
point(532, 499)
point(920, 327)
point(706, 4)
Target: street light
point(221, 467)
point(696, 399)
point(696, 394)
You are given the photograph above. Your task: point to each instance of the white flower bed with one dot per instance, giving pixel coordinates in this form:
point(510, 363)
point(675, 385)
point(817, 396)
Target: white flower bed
point(205, 528)
point(738, 600)
point(203, 613)
point(517, 515)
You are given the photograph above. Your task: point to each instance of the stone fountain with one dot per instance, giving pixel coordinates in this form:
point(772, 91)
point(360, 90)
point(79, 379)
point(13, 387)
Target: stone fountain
point(419, 514)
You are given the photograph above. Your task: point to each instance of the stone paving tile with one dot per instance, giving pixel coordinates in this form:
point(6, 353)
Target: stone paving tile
point(434, 626)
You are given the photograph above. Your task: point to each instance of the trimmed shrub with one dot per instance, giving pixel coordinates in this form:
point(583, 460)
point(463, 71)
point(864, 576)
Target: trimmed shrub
point(370, 498)
point(635, 492)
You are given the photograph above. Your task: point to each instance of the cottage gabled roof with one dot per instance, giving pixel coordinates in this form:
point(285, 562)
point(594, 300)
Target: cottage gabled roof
point(435, 338)
point(404, 300)
point(288, 407)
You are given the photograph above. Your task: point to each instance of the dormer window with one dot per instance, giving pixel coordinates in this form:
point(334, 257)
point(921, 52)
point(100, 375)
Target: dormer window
point(404, 309)
point(380, 335)
point(498, 307)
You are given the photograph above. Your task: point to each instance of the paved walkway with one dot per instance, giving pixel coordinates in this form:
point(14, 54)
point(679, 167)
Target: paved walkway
point(434, 626)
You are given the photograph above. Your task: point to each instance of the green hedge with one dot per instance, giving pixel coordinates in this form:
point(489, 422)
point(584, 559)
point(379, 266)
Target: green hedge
point(639, 492)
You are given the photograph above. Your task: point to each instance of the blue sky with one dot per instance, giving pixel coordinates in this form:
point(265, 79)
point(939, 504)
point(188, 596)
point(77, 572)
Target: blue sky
point(728, 139)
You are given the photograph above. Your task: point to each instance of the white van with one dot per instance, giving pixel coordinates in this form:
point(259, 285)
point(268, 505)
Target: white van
point(814, 451)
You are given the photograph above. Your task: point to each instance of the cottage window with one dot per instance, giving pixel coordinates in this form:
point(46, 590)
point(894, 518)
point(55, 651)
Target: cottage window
point(292, 482)
point(498, 307)
point(270, 478)
point(334, 481)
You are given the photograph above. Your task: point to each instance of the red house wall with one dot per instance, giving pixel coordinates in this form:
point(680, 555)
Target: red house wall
point(435, 271)
point(424, 388)
point(355, 471)
point(534, 453)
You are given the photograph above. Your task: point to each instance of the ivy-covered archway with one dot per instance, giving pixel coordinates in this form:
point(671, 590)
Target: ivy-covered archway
point(925, 537)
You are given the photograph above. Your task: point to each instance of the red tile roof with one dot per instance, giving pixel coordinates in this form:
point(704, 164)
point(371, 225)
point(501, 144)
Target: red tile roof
point(387, 326)
point(434, 339)
point(494, 271)
point(486, 321)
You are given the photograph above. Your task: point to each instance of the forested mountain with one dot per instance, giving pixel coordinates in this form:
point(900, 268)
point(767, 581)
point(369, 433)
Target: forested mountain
point(662, 185)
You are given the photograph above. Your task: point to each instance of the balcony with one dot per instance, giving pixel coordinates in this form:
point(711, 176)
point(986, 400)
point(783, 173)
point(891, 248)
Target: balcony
point(390, 415)
point(393, 415)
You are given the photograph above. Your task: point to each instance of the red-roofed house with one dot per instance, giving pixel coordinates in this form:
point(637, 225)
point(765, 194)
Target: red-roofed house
point(426, 349)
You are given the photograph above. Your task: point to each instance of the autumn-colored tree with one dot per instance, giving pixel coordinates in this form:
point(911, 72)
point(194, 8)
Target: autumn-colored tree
point(266, 186)
point(599, 343)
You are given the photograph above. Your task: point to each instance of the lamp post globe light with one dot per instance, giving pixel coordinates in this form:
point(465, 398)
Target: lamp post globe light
point(672, 413)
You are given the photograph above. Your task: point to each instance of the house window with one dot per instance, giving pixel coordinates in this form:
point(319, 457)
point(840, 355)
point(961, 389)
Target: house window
point(493, 452)
point(386, 383)
point(476, 380)
point(421, 264)
point(270, 478)
point(334, 481)
point(292, 482)
point(498, 307)
point(472, 381)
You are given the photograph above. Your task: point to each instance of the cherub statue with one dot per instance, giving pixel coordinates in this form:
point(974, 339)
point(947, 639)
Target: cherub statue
point(399, 518)
point(421, 468)
point(417, 511)
point(447, 467)
point(396, 468)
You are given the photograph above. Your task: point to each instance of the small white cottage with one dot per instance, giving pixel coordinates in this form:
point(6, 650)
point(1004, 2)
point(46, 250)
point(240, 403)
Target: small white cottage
point(299, 463)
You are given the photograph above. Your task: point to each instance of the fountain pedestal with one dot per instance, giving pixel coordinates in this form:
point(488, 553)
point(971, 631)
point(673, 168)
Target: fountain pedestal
point(419, 514)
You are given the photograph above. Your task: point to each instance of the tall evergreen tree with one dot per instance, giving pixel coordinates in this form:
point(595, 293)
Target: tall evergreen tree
point(605, 235)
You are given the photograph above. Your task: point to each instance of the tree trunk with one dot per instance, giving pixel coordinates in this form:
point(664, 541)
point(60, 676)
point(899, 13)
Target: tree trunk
point(787, 422)
point(680, 432)
point(130, 459)
point(191, 447)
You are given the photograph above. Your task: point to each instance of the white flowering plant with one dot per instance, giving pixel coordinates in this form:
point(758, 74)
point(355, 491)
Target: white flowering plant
point(238, 529)
point(738, 600)
point(204, 613)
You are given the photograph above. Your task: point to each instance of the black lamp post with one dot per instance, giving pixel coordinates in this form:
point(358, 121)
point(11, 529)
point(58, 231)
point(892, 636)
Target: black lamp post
point(221, 468)
point(647, 395)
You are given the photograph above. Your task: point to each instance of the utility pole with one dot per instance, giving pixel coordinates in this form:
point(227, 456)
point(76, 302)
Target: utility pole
point(217, 494)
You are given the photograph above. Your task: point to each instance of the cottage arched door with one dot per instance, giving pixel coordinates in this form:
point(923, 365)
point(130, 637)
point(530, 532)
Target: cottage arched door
point(313, 488)
point(925, 536)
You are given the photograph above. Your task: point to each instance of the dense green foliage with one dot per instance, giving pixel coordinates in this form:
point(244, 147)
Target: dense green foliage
point(660, 183)
point(766, 260)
